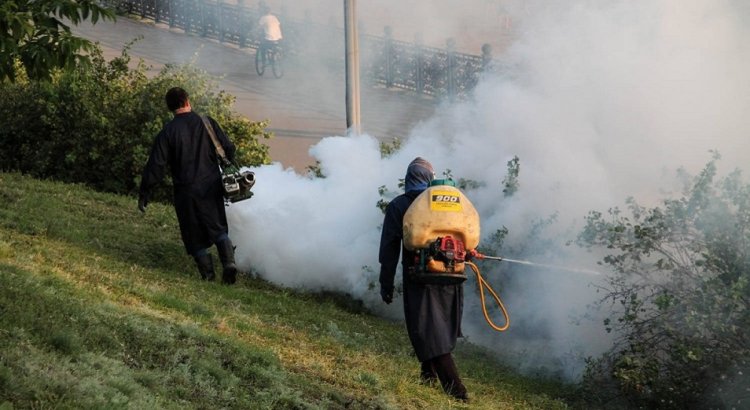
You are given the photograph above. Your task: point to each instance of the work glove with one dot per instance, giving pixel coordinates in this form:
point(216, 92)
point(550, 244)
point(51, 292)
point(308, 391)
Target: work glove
point(142, 202)
point(386, 293)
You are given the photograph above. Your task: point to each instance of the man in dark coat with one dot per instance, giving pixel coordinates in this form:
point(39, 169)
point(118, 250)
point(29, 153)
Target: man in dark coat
point(185, 146)
point(432, 312)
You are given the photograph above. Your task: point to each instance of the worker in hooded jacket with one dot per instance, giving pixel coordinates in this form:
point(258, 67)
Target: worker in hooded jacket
point(432, 312)
point(185, 146)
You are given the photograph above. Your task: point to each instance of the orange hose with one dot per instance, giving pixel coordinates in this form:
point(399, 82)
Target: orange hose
point(482, 285)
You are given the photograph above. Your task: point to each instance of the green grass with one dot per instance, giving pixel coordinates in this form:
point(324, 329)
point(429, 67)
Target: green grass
point(101, 308)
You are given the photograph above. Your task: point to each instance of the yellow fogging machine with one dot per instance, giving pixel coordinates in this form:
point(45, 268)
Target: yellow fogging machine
point(442, 227)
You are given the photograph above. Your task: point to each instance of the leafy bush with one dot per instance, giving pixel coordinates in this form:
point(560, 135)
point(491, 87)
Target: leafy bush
point(95, 125)
point(35, 34)
point(678, 298)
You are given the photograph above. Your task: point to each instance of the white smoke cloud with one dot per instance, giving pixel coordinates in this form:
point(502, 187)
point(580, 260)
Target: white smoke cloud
point(600, 100)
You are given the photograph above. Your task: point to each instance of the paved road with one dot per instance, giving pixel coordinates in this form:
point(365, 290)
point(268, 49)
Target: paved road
point(307, 104)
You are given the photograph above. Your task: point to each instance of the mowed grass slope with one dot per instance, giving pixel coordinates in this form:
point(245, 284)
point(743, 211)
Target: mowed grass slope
point(101, 308)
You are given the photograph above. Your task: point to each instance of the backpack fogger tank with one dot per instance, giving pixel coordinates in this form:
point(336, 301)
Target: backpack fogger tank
point(442, 227)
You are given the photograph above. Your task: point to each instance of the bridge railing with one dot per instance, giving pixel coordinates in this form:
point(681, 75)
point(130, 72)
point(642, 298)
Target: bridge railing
point(432, 71)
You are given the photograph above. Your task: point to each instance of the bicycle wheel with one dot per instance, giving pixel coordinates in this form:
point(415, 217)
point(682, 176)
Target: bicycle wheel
point(276, 61)
point(260, 68)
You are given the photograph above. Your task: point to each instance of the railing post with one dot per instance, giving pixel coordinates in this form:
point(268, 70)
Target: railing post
point(306, 34)
point(451, 46)
point(388, 51)
point(157, 8)
point(204, 29)
point(242, 17)
point(419, 50)
point(171, 13)
point(486, 56)
point(220, 21)
point(186, 16)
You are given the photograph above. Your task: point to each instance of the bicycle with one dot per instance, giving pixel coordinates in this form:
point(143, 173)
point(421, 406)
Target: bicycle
point(273, 58)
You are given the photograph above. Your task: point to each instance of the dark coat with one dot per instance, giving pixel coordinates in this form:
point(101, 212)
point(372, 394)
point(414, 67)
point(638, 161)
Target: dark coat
point(432, 312)
point(185, 147)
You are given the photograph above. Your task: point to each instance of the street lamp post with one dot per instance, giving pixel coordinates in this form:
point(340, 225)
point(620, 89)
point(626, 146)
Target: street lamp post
point(353, 123)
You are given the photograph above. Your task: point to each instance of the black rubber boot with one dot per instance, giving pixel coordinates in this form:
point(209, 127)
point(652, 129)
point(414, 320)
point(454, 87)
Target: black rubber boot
point(447, 372)
point(427, 375)
point(226, 254)
point(205, 266)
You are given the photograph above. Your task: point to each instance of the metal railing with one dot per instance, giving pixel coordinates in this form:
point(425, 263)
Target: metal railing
point(424, 70)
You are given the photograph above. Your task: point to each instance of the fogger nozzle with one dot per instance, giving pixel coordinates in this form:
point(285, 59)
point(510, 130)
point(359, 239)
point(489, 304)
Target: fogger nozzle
point(477, 255)
point(473, 254)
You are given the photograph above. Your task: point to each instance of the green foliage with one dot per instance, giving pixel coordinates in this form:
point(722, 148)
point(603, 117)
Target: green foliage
point(34, 34)
point(463, 183)
point(383, 202)
point(386, 195)
point(388, 149)
point(510, 182)
point(468, 184)
point(315, 171)
point(95, 125)
point(678, 298)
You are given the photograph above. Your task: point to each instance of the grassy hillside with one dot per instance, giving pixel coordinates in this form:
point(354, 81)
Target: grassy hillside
point(101, 308)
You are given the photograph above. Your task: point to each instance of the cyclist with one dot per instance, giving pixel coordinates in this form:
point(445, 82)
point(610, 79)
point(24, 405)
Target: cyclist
point(271, 30)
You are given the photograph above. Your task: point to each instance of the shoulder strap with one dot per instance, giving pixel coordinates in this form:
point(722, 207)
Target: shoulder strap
point(210, 129)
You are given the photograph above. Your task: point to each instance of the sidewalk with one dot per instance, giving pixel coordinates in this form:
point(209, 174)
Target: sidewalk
point(307, 104)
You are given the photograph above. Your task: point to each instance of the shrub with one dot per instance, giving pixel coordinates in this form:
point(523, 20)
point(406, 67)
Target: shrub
point(678, 297)
point(95, 125)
